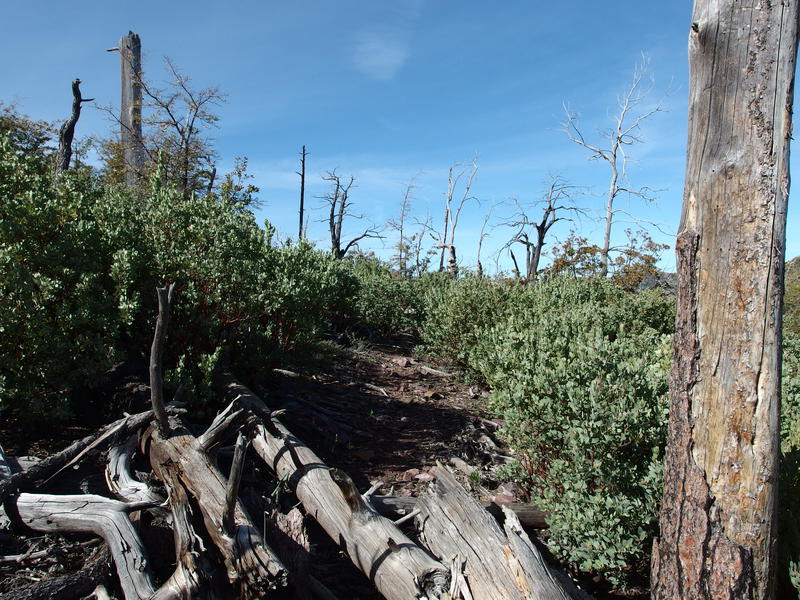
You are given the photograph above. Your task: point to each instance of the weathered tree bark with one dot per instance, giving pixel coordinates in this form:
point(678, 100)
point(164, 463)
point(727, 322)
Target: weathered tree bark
point(397, 567)
point(720, 476)
point(165, 296)
point(130, 52)
point(497, 565)
point(67, 132)
point(191, 576)
point(101, 516)
point(396, 507)
point(252, 567)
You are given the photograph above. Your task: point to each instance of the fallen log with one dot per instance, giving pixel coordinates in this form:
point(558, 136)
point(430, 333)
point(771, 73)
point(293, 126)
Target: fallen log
point(251, 566)
point(102, 516)
point(397, 567)
point(395, 507)
point(496, 564)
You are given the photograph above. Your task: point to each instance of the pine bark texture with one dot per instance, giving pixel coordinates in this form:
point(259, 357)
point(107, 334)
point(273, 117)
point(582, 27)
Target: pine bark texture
point(718, 514)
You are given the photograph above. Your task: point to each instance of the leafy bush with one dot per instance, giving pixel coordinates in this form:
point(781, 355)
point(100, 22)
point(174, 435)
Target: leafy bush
point(79, 264)
point(384, 303)
point(578, 369)
point(458, 313)
point(56, 324)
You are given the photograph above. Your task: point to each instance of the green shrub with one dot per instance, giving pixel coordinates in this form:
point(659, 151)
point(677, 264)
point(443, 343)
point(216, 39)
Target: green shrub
point(384, 303)
point(56, 320)
point(458, 313)
point(578, 369)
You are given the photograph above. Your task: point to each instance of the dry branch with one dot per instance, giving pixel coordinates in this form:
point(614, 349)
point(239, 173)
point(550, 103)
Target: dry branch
point(52, 464)
point(119, 478)
point(165, 296)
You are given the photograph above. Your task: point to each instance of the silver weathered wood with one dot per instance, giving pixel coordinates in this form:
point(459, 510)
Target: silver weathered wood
point(398, 568)
point(251, 565)
point(130, 119)
point(497, 564)
point(101, 516)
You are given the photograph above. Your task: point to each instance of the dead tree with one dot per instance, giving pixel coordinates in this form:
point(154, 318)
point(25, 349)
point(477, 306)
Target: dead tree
point(404, 241)
point(721, 466)
point(338, 200)
point(302, 174)
point(625, 132)
point(446, 241)
point(531, 234)
point(67, 131)
point(130, 117)
point(175, 119)
point(481, 237)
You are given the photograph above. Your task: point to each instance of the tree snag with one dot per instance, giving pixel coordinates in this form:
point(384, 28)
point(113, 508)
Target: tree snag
point(721, 465)
point(67, 131)
point(130, 119)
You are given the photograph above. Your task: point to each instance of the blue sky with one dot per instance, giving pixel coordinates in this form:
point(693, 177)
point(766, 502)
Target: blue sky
point(385, 90)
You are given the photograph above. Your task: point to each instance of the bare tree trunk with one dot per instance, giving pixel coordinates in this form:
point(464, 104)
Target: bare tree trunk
point(130, 52)
point(718, 514)
point(67, 132)
point(613, 190)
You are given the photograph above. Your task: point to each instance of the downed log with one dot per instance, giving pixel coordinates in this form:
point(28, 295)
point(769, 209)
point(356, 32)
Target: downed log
point(251, 566)
point(191, 576)
point(397, 567)
point(529, 515)
point(497, 565)
point(93, 514)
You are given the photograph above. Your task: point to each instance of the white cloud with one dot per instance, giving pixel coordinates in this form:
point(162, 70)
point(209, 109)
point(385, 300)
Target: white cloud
point(380, 55)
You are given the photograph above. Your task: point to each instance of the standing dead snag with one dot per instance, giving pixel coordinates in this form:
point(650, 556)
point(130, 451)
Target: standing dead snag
point(557, 200)
point(624, 132)
point(447, 240)
point(302, 173)
point(67, 131)
point(721, 465)
point(338, 200)
point(130, 118)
